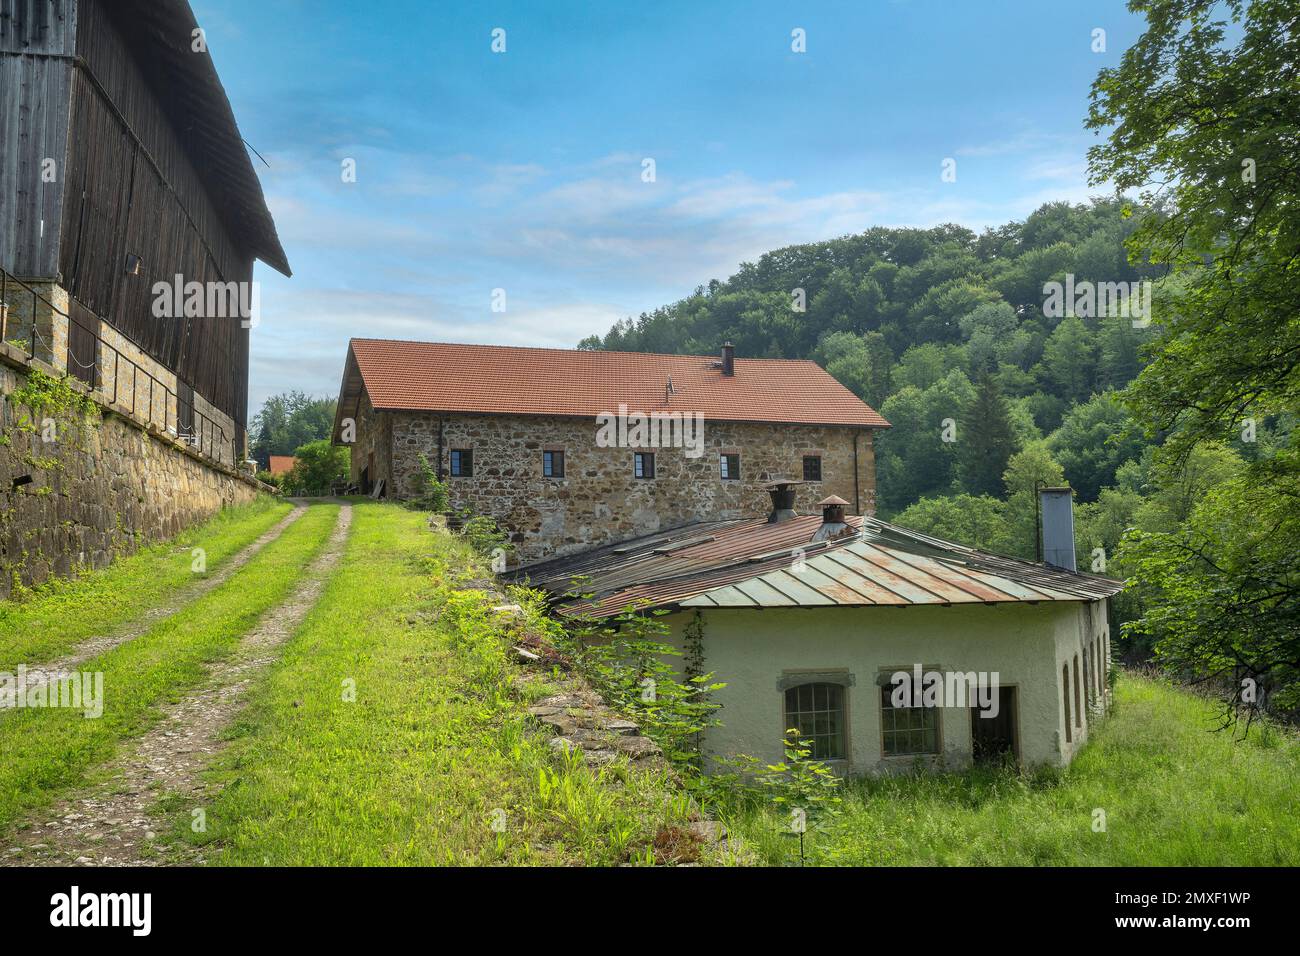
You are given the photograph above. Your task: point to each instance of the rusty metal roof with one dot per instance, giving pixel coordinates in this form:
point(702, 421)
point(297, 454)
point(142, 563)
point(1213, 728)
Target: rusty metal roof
point(753, 564)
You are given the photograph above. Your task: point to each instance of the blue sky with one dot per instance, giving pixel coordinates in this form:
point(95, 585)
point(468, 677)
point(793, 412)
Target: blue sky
point(522, 170)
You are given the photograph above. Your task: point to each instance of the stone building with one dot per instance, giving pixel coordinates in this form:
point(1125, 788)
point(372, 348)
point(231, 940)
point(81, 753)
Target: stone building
point(130, 218)
point(570, 449)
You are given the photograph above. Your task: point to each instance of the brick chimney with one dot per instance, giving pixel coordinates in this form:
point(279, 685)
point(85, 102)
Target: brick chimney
point(728, 359)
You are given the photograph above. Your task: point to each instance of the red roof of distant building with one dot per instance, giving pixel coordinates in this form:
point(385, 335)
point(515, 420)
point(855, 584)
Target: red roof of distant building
point(435, 376)
point(281, 464)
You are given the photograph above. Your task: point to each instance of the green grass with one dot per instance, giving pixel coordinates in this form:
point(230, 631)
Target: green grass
point(53, 619)
point(44, 751)
point(1174, 793)
point(435, 741)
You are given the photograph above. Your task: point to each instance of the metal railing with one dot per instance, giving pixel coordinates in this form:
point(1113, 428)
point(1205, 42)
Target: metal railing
point(202, 432)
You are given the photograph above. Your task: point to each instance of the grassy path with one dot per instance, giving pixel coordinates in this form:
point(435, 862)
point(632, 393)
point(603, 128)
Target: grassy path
point(44, 751)
point(390, 732)
point(114, 822)
point(112, 604)
point(1170, 790)
point(93, 647)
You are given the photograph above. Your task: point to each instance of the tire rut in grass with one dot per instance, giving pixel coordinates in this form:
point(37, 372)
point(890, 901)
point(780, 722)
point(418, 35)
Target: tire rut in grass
point(38, 675)
point(115, 822)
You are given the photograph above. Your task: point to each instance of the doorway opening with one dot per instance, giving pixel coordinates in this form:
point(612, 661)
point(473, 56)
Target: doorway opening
point(994, 739)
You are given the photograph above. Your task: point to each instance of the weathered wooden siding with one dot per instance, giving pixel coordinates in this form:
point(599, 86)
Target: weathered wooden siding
point(36, 46)
point(79, 83)
point(133, 190)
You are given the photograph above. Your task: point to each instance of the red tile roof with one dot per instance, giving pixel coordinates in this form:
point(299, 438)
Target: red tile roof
point(280, 464)
point(436, 376)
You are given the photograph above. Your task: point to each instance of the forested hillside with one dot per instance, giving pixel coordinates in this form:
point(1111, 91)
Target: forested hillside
point(947, 334)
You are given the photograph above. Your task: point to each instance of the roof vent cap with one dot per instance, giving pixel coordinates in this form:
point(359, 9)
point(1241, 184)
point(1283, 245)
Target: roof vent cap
point(833, 524)
point(783, 493)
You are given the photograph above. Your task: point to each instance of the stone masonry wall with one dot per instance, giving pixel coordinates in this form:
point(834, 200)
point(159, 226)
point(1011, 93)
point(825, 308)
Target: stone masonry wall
point(102, 488)
point(599, 500)
point(47, 336)
point(373, 433)
point(129, 376)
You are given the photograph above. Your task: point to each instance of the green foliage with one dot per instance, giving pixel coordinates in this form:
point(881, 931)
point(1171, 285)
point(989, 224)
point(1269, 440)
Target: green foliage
point(629, 661)
point(319, 464)
point(908, 318)
point(1228, 190)
point(484, 535)
point(859, 362)
point(985, 441)
point(1174, 795)
point(1201, 118)
point(44, 393)
point(801, 783)
point(1220, 589)
point(912, 459)
point(1094, 440)
point(433, 492)
point(287, 422)
point(977, 522)
point(1070, 361)
point(1030, 468)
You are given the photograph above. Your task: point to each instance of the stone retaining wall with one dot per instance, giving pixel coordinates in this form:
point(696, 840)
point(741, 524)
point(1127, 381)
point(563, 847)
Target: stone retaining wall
point(105, 485)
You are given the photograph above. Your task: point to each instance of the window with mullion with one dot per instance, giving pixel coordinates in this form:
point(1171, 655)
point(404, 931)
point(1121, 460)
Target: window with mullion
point(907, 730)
point(643, 464)
point(816, 711)
point(553, 464)
point(462, 463)
point(729, 467)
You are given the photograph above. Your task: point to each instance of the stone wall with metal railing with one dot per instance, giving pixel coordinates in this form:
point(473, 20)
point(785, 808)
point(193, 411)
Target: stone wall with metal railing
point(81, 486)
point(35, 317)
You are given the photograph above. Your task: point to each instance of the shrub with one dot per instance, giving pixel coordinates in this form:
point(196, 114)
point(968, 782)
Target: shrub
point(319, 464)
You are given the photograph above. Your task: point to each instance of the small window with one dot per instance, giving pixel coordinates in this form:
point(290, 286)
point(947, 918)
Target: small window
point(730, 467)
point(1078, 710)
point(817, 712)
point(812, 467)
point(1065, 697)
point(462, 463)
point(643, 464)
point(553, 464)
point(908, 730)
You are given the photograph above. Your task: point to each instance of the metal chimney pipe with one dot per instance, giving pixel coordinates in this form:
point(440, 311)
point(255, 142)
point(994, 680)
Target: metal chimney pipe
point(783, 494)
point(1058, 527)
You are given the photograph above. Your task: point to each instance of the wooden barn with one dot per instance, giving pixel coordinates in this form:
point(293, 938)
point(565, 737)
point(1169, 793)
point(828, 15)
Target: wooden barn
point(122, 172)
